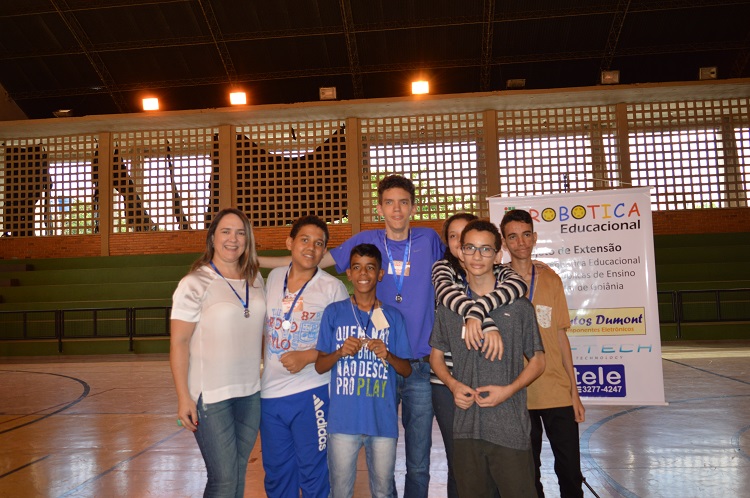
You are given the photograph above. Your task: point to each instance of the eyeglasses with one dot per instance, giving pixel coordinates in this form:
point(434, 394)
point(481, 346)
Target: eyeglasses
point(485, 251)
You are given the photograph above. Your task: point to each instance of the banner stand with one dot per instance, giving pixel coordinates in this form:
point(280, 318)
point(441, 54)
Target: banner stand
point(601, 244)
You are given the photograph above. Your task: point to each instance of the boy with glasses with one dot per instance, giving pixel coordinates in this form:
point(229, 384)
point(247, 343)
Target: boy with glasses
point(492, 448)
point(553, 401)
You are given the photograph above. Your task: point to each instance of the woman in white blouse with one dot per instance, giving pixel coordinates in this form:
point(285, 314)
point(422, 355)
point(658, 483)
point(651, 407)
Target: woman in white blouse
point(218, 314)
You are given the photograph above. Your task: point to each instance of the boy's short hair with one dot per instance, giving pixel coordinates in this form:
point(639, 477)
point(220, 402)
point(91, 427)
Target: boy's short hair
point(516, 215)
point(483, 226)
point(367, 250)
point(396, 181)
point(309, 220)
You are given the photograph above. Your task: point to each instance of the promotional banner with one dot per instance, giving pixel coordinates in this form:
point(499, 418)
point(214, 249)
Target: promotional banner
point(601, 244)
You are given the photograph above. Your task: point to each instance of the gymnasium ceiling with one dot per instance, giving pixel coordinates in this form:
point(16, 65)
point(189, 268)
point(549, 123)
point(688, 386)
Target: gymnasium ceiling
point(102, 56)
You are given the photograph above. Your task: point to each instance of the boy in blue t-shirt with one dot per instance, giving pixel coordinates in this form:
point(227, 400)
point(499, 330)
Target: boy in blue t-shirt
point(365, 340)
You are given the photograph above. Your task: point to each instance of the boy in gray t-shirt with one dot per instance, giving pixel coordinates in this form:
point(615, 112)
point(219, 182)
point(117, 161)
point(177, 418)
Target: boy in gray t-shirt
point(492, 448)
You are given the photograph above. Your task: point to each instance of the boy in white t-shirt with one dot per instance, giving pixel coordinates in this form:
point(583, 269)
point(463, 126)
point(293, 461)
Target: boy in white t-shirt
point(294, 397)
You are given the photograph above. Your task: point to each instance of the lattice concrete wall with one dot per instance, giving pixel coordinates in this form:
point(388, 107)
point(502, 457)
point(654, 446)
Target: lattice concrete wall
point(695, 154)
point(443, 154)
point(48, 186)
point(164, 179)
point(548, 151)
point(287, 170)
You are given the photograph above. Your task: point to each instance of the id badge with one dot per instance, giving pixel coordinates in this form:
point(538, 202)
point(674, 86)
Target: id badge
point(286, 304)
point(379, 321)
point(397, 265)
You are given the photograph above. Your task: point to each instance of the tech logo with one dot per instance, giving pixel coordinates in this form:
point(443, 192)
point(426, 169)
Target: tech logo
point(320, 422)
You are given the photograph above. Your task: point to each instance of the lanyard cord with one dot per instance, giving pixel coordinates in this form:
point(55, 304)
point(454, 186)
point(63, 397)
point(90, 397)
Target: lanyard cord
point(356, 312)
point(533, 283)
point(246, 302)
point(288, 314)
point(398, 279)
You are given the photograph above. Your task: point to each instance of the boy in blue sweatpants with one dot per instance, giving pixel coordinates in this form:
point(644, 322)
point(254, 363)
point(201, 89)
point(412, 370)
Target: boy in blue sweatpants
point(294, 397)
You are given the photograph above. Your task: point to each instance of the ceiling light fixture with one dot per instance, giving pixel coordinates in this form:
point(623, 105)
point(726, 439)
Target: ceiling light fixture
point(707, 73)
point(420, 87)
point(151, 104)
point(610, 77)
point(238, 98)
point(63, 113)
point(327, 93)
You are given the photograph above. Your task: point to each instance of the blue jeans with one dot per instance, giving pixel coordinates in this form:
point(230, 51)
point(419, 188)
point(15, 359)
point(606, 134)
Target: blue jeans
point(415, 394)
point(444, 406)
point(343, 450)
point(226, 435)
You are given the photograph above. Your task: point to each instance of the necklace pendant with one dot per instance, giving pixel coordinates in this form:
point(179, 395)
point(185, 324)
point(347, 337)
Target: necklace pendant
point(247, 313)
point(286, 325)
point(399, 298)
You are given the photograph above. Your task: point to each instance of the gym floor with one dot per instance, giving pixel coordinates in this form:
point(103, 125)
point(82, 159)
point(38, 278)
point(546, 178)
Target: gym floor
point(105, 426)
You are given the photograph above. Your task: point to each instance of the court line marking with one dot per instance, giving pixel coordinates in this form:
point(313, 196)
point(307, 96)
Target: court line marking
point(24, 466)
point(708, 371)
point(736, 441)
point(84, 394)
point(586, 436)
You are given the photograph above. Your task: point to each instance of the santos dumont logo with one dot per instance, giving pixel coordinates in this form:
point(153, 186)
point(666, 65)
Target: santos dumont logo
point(320, 421)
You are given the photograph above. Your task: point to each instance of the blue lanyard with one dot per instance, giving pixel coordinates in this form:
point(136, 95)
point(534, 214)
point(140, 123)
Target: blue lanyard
point(288, 314)
point(533, 283)
point(398, 279)
point(356, 311)
point(247, 290)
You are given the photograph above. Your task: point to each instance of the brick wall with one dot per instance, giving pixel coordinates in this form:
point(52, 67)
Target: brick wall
point(191, 241)
point(696, 221)
point(64, 246)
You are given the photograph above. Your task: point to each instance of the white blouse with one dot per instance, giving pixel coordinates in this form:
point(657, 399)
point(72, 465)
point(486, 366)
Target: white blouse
point(225, 349)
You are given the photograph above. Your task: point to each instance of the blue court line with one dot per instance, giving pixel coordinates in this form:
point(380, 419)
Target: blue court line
point(586, 437)
point(586, 453)
point(84, 394)
point(736, 441)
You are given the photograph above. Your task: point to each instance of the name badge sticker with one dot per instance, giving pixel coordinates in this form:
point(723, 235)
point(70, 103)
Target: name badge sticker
point(398, 265)
point(379, 320)
point(286, 304)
